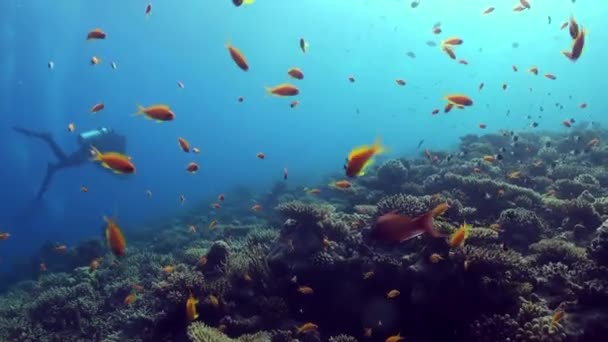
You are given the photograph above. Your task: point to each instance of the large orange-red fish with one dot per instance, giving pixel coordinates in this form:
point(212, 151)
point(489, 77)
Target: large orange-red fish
point(360, 158)
point(452, 41)
point(117, 162)
point(96, 34)
point(459, 100)
point(393, 227)
point(238, 57)
point(115, 238)
point(159, 112)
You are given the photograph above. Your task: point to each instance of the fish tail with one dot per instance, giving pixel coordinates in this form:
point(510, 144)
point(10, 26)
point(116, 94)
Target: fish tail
point(426, 224)
point(140, 110)
point(568, 54)
point(378, 147)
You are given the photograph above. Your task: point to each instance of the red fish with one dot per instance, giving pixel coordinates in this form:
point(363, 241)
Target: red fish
point(448, 107)
point(284, 89)
point(158, 112)
point(261, 155)
point(550, 76)
point(296, 73)
point(583, 105)
point(459, 100)
point(115, 238)
point(449, 51)
point(183, 144)
point(238, 57)
point(435, 111)
point(221, 197)
point(452, 41)
point(463, 61)
point(574, 31)
point(577, 47)
point(567, 123)
point(97, 107)
point(400, 82)
point(395, 228)
point(482, 126)
point(192, 167)
point(96, 34)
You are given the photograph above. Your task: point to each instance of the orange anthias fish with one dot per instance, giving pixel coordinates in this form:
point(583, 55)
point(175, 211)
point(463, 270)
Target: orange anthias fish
point(61, 248)
point(183, 144)
point(458, 238)
point(396, 228)
point(192, 167)
point(577, 47)
point(573, 28)
point(341, 184)
point(393, 294)
point(96, 34)
point(238, 57)
point(260, 155)
point(550, 76)
point(117, 162)
point(115, 238)
point(130, 299)
point(296, 73)
point(282, 90)
point(400, 82)
point(257, 207)
point(159, 112)
point(306, 290)
point(533, 70)
point(94, 265)
point(212, 225)
point(452, 41)
point(395, 338)
point(459, 100)
point(97, 107)
point(306, 328)
point(191, 307)
point(360, 158)
point(314, 191)
point(4, 236)
point(303, 45)
point(449, 51)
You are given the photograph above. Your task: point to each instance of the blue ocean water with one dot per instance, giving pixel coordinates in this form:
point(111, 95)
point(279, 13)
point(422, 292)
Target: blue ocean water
point(185, 41)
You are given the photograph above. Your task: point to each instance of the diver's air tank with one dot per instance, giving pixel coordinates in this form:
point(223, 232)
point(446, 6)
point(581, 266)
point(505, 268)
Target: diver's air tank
point(92, 135)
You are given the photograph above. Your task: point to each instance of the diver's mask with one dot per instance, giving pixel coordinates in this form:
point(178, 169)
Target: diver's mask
point(92, 135)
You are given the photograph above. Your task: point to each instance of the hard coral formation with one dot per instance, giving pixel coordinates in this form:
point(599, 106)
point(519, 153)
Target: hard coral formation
point(533, 249)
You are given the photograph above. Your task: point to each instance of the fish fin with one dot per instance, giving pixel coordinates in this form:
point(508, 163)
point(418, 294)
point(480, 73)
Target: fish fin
point(140, 109)
point(378, 148)
point(425, 223)
point(568, 54)
point(367, 164)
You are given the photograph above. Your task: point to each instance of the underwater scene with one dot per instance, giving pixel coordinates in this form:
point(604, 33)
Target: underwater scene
point(313, 171)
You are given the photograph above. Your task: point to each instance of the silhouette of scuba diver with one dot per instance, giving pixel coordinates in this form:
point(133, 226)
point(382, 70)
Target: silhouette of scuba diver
point(104, 139)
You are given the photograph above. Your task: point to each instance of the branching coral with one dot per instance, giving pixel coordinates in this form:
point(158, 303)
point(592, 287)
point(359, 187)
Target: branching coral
point(521, 227)
point(556, 250)
point(342, 338)
point(304, 213)
point(199, 332)
point(404, 204)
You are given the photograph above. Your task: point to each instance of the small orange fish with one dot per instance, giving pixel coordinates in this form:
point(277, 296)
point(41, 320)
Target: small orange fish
point(97, 107)
point(61, 248)
point(435, 111)
point(458, 238)
point(393, 294)
point(567, 123)
point(452, 41)
point(477, 170)
point(203, 260)
point(130, 299)
point(256, 207)
point(213, 301)
point(94, 265)
point(448, 107)
point(518, 8)
point(514, 68)
point(583, 105)
point(550, 76)
point(342, 184)
point(449, 51)
point(593, 142)
point(459, 100)
point(314, 191)
point(43, 267)
point(306, 290)
point(306, 328)
point(489, 158)
point(247, 278)
point(216, 205)
point(368, 275)
point(394, 338)
point(212, 225)
point(191, 303)
point(435, 258)
point(437, 30)
point(71, 127)
point(96, 34)
point(463, 61)
point(500, 193)
point(183, 144)
point(400, 82)
point(482, 126)
point(303, 45)
point(360, 158)
point(221, 197)
point(158, 113)
point(351, 79)
point(115, 237)
point(533, 70)
point(573, 28)
point(294, 103)
point(367, 332)
point(282, 90)
point(168, 269)
point(95, 60)
point(558, 315)
point(296, 73)
point(192, 167)
point(577, 47)
point(238, 57)
point(4, 236)
point(488, 10)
